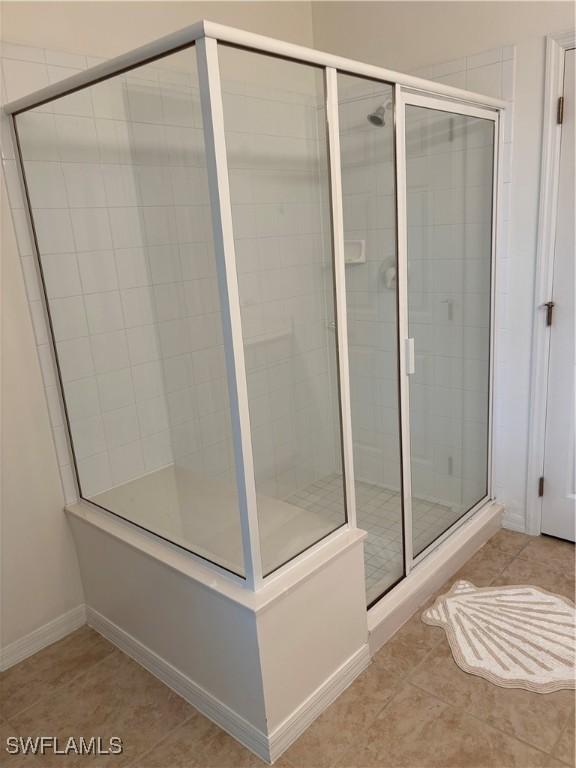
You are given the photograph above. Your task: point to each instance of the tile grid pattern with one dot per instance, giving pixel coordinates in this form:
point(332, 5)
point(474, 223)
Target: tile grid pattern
point(276, 152)
point(369, 214)
point(412, 707)
point(493, 72)
point(116, 395)
point(142, 356)
point(126, 254)
point(379, 513)
point(25, 69)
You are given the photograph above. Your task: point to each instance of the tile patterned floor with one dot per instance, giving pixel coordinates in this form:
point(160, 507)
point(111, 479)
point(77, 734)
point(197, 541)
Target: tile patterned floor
point(412, 708)
point(379, 513)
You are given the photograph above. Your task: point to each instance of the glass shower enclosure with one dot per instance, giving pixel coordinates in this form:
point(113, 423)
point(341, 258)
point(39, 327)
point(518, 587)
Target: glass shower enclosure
point(268, 274)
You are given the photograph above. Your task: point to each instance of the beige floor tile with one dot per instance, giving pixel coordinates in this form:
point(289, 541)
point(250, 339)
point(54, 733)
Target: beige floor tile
point(532, 717)
point(524, 571)
point(483, 567)
point(9, 760)
point(552, 762)
point(182, 747)
point(510, 541)
point(409, 646)
point(38, 676)
point(5, 731)
point(326, 740)
point(556, 554)
point(564, 749)
point(82, 686)
point(361, 703)
point(417, 730)
point(115, 698)
point(222, 751)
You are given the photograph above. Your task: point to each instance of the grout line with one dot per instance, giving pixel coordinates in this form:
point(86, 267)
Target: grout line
point(560, 735)
point(488, 723)
point(551, 563)
point(73, 678)
point(141, 755)
point(410, 681)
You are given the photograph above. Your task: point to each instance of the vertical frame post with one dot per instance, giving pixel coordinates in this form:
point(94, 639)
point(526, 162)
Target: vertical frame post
point(496, 214)
point(221, 211)
point(402, 279)
point(15, 150)
point(337, 219)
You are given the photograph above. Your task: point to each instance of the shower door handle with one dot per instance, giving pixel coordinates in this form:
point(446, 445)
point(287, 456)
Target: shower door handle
point(410, 360)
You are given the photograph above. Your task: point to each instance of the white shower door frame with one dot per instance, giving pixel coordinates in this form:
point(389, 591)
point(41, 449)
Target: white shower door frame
point(407, 90)
point(408, 97)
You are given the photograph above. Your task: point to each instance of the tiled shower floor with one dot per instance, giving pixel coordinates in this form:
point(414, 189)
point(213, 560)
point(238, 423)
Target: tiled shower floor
point(379, 513)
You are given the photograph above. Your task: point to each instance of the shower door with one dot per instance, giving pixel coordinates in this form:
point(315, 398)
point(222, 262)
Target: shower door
point(447, 162)
point(418, 185)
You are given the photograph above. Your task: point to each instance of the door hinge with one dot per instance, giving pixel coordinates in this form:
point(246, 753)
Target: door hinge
point(549, 310)
point(560, 111)
point(541, 486)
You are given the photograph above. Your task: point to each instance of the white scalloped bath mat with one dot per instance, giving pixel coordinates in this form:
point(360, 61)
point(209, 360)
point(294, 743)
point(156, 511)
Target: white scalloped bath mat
point(516, 637)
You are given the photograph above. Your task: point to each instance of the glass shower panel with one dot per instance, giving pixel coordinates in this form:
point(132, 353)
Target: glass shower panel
point(117, 181)
point(449, 176)
point(366, 119)
point(275, 122)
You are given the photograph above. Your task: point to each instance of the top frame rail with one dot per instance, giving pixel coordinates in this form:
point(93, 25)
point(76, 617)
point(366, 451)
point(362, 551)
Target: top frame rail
point(186, 37)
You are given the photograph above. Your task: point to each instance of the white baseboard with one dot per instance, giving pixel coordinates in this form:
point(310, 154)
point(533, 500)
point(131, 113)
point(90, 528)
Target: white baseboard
point(395, 608)
point(229, 720)
point(302, 717)
point(268, 748)
point(514, 520)
point(42, 637)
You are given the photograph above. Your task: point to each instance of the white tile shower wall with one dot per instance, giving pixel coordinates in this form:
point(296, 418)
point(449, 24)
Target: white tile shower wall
point(449, 180)
point(283, 259)
point(492, 72)
point(26, 69)
point(445, 444)
point(120, 201)
point(369, 217)
point(123, 224)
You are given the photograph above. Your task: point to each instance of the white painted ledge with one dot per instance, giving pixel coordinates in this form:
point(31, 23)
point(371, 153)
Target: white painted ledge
point(276, 585)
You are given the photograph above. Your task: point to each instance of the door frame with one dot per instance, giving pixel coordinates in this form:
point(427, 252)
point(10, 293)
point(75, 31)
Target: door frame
point(408, 97)
point(556, 47)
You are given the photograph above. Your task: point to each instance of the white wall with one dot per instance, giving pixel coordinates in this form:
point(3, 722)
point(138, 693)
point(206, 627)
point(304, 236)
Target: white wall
point(40, 579)
point(398, 36)
point(39, 572)
point(409, 35)
point(107, 29)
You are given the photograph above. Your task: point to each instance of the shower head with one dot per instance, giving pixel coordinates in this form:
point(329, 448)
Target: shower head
point(377, 117)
